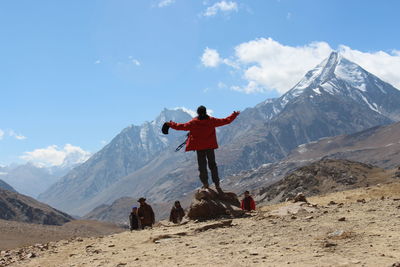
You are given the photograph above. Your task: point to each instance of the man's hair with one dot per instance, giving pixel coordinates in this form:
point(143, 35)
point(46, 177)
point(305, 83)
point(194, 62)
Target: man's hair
point(202, 113)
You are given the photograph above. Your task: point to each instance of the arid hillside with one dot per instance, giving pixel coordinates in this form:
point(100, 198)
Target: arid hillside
point(18, 234)
point(359, 227)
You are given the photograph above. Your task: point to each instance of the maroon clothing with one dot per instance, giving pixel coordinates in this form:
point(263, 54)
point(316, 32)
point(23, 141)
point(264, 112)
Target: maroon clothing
point(176, 214)
point(146, 215)
point(248, 204)
point(202, 132)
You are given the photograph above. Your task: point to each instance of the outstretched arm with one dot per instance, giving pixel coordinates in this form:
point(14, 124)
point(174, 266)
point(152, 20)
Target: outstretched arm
point(180, 126)
point(227, 120)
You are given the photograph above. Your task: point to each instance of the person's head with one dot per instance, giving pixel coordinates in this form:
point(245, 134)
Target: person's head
point(246, 193)
point(202, 113)
point(177, 204)
point(142, 201)
point(134, 209)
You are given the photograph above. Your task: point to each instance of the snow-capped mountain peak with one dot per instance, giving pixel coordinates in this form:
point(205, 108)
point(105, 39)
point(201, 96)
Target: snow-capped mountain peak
point(339, 76)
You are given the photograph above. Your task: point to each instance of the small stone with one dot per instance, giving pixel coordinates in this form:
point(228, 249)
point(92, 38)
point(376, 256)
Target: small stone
point(332, 203)
point(361, 201)
point(342, 219)
point(293, 217)
point(111, 246)
point(31, 255)
point(328, 244)
point(300, 198)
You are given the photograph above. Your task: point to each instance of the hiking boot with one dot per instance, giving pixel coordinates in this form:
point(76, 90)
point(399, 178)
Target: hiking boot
point(205, 186)
point(219, 190)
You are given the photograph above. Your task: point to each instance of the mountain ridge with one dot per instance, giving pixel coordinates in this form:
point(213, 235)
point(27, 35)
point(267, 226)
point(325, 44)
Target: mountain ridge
point(263, 134)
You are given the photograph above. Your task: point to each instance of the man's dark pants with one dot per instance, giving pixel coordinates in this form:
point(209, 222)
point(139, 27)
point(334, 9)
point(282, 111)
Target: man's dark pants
point(204, 156)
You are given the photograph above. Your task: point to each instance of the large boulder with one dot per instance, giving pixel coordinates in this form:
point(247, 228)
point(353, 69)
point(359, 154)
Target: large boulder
point(208, 204)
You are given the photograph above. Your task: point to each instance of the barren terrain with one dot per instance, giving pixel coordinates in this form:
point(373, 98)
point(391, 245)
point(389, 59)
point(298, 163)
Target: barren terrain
point(359, 227)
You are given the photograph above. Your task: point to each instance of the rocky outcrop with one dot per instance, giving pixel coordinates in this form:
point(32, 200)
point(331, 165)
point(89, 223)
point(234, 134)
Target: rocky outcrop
point(324, 176)
point(208, 204)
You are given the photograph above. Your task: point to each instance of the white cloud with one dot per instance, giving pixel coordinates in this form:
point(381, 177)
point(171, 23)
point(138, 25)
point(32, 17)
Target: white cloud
point(11, 133)
point(222, 6)
point(134, 61)
point(165, 3)
point(16, 136)
point(97, 61)
point(55, 156)
point(289, 15)
point(384, 65)
point(221, 85)
point(210, 58)
point(267, 65)
point(187, 110)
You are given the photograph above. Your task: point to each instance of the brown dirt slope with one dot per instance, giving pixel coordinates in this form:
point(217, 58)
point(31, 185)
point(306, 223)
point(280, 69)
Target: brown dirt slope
point(18, 207)
point(359, 227)
point(18, 234)
point(324, 176)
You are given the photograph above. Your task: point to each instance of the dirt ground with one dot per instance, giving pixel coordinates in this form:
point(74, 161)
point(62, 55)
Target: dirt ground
point(353, 228)
point(18, 234)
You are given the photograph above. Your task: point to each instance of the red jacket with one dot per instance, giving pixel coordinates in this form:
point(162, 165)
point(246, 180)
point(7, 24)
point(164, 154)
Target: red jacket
point(202, 132)
point(248, 204)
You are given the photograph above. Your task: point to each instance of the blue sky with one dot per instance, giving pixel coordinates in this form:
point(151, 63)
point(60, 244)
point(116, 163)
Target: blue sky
point(78, 72)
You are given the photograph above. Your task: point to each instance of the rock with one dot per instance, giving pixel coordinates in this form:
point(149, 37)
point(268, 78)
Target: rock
point(361, 201)
point(225, 223)
point(328, 244)
point(332, 203)
point(396, 264)
point(208, 204)
point(342, 219)
point(300, 198)
point(31, 255)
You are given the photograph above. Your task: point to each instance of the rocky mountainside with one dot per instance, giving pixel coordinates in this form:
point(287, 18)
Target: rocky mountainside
point(378, 146)
point(337, 97)
point(131, 150)
point(18, 207)
point(321, 177)
point(5, 186)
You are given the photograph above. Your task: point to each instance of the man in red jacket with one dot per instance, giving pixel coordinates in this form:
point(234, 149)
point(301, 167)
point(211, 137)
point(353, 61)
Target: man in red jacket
point(203, 139)
point(248, 203)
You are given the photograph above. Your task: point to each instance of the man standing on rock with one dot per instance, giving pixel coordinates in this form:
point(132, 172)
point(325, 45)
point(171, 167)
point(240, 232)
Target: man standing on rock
point(145, 213)
point(202, 138)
